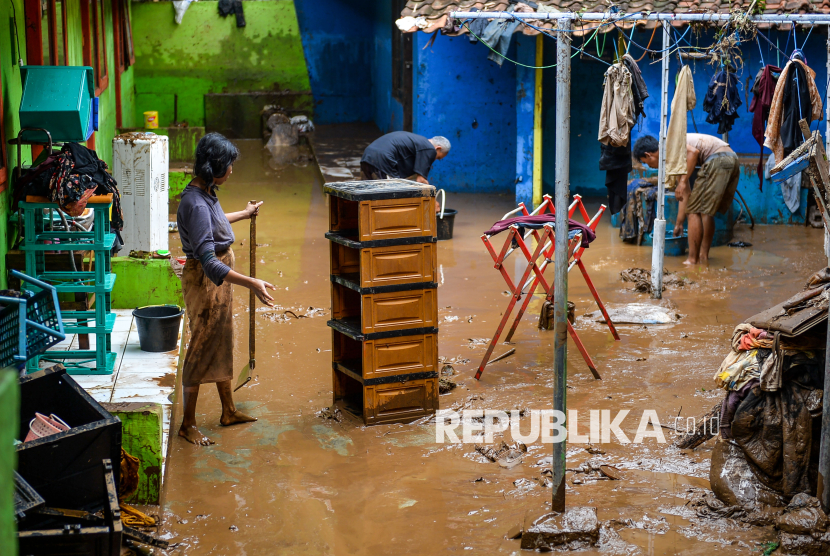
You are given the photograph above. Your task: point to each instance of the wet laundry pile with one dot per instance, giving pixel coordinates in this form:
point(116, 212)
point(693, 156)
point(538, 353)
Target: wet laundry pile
point(640, 210)
point(641, 278)
point(773, 376)
point(69, 177)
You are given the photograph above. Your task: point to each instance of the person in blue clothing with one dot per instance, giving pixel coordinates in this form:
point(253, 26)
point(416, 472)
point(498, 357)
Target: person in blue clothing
point(403, 155)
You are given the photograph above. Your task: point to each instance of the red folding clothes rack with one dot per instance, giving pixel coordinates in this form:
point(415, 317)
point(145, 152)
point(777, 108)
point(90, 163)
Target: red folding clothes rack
point(545, 247)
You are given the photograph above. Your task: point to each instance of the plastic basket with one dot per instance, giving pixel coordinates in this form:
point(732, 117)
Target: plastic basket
point(30, 324)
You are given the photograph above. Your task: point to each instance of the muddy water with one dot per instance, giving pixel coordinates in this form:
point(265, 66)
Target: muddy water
point(294, 483)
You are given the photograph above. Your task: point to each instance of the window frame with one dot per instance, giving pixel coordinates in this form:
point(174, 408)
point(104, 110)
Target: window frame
point(33, 10)
point(4, 164)
point(93, 56)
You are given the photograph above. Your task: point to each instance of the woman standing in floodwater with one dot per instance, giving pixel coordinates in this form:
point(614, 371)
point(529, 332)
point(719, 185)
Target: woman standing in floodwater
point(207, 237)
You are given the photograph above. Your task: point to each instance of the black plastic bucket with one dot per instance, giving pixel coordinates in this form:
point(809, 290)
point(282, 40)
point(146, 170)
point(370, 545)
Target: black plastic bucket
point(445, 224)
point(158, 327)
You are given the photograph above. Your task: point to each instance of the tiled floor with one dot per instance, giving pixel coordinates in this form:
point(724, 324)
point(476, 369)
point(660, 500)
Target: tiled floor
point(139, 376)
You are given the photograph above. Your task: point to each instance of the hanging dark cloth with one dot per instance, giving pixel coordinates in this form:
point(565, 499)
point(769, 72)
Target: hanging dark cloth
point(228, 7)
point(797, 106)
point(722, 100)
point(538, 221)
point(616, 163)
point(638, 86)
point(763, 89)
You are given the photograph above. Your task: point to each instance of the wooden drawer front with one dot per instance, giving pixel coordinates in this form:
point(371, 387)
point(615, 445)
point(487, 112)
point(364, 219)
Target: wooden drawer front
point(344, 260)
point(399, 264)
point(399, 310)
point(403, 355)
point(400, 401)
point(396, 218)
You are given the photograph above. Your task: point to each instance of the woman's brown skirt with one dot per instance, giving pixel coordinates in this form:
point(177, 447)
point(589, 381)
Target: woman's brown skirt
point(209, 355)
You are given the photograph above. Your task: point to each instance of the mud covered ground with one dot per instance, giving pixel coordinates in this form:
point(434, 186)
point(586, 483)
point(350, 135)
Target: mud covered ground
point(298, 483)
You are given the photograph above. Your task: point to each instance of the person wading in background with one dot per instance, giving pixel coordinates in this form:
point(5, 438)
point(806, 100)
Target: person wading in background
point(207, 276)
point(713, 191)
point(403, 155)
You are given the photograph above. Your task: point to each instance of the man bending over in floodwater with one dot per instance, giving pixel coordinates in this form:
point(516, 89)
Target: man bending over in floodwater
point(713, 191)
point(403, 155)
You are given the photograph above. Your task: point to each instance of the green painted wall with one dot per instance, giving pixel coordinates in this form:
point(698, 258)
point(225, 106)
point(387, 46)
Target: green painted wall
point(9, 416)
point(141, 437)
point(11, 91)
point(209, 54)
point(143, 282)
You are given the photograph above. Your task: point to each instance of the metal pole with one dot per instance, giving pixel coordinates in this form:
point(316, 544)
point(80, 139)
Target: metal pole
point(813, 19)
point(827, 144)
point(823, 490)
point(560, 294)
point(659, 242)
point(537, 123)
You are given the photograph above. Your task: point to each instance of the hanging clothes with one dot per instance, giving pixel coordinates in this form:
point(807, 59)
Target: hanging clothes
point(683, 101)
point(763, 90)
point(616, 116)
point(616, 163)
point(497, 35)
point(638, 86)
point(476, 27)
point(228, 7)
point(790, 188)
point(796, 96)
point(722, 100)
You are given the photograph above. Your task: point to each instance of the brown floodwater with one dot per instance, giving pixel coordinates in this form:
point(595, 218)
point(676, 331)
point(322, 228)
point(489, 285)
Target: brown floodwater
point(296, 483)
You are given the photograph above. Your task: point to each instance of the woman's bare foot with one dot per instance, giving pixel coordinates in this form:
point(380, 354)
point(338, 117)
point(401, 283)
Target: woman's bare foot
point(192, 434)
point(689, 262)
point(235, 418)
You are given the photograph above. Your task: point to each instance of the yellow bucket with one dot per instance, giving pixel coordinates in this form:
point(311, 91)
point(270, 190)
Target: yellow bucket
point(151, 120)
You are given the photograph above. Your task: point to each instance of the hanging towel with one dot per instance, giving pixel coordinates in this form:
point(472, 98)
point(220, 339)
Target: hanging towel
point(616, 116)
point(783, 134)
point(763, 90)
point(790, 188)
point(722, 100)
point(683, 101)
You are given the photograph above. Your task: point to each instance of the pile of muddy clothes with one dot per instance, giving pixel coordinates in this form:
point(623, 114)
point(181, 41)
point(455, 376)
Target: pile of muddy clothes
point(770, 420)
point(640, 210)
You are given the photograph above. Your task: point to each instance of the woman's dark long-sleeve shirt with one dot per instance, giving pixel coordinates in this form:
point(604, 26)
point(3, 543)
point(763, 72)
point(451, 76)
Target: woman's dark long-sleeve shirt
point(204, 229)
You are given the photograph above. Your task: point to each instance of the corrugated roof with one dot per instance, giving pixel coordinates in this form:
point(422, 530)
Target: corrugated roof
point(437, 12)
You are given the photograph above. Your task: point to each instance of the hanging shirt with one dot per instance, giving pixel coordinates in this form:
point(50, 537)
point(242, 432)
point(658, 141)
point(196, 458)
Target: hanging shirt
point(401, 154)
point(616, 116)
point(722, 100)
point(796, 96)
point(763, 90)
point(638, 86)
point(683, 101)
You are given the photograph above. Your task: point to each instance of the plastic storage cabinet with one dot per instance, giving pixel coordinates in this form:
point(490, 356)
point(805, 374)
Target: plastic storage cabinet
point(384, 303)
point(37, 240)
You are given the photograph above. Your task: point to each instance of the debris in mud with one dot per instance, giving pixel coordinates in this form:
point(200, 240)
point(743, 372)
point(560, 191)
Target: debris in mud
point(641, 278)
point(507, 455)
point(636, 313)
point(523, 486)
point(233, 528)
point(329, 413)
point(739, 244)
point(288, 315)
point(576, 528)
point(591, 449)
point(475, 342)
point(546, 319)
point(447, 370)
point(703, 431)
point(545, 478)
point(457, 360)
point(481, 480)
point(803, 516)
point(446, 384)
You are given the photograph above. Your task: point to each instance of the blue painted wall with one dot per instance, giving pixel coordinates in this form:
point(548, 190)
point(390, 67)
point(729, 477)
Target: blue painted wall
point(472, 101)
point(339, 44)
point(525, 99)
point(388, 112)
